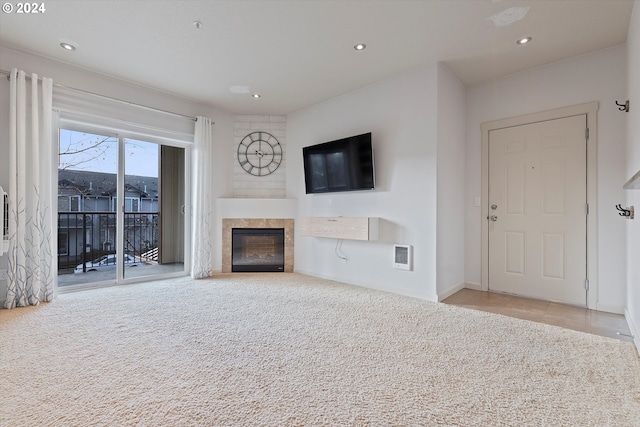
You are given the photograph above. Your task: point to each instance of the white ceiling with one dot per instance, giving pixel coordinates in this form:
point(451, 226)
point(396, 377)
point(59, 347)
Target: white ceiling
point(298, 53)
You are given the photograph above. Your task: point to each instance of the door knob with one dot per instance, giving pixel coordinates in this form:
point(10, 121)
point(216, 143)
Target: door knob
point(493, 218)
point(494, 207)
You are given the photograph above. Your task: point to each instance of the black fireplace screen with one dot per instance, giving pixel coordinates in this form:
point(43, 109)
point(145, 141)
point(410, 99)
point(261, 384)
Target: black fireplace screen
point(257, 249)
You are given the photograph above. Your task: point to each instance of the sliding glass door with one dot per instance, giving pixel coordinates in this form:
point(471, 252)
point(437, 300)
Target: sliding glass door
point(120, 208)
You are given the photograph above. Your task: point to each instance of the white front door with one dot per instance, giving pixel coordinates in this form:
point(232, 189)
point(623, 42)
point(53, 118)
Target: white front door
point(537, 210)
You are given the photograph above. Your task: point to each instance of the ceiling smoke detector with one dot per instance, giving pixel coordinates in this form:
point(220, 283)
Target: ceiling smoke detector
point(239, 89)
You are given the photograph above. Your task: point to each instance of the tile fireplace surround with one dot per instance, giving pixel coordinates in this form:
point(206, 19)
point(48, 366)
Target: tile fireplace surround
point(230, 223)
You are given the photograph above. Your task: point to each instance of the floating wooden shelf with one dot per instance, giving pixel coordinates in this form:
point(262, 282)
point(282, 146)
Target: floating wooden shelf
point(352, 228)
point(633, 183)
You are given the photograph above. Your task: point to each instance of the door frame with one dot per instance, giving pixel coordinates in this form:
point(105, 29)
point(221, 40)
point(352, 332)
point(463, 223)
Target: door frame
point(590, 110)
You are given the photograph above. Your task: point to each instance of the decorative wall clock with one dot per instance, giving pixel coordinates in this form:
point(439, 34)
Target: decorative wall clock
point(259, 153)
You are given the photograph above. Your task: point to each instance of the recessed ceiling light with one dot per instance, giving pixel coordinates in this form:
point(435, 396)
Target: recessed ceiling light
point(360, 46)
point(67, 46)
point(524, 40)
point(256, 95)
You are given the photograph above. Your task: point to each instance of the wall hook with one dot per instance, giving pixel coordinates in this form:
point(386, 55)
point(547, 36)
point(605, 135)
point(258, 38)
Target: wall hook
point(623, 107)
point(625, 212)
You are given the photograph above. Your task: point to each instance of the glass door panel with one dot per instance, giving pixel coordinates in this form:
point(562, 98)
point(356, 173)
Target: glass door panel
point(153, 226)
point(87, 184)
point(140, 222)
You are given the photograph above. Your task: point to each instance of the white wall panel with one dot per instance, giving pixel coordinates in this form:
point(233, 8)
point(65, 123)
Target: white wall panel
point(632, 167)
point(401, 113)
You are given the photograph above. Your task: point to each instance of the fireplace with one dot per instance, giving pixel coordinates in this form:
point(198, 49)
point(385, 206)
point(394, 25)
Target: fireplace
point(251, 225)
point(257, 249)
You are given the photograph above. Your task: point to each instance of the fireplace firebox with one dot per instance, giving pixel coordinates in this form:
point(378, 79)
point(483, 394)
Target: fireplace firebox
point(257, 249)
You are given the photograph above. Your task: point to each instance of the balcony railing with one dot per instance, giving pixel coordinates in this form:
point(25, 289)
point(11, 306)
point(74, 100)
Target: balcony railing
point(86, 236)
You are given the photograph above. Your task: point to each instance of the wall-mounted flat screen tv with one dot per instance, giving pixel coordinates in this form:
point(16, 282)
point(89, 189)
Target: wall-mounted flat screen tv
point(341, 165)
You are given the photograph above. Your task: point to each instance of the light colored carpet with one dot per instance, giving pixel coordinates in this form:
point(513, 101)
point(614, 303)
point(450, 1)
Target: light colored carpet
point(285, 349)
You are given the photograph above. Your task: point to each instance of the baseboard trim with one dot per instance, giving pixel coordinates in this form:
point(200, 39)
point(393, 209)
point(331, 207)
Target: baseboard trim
point(452, 290)
point(398, 291)
point(632, 329)
point(473, 285)
point(616, 309)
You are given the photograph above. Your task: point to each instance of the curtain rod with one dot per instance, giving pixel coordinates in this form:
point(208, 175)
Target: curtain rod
point(8, 74)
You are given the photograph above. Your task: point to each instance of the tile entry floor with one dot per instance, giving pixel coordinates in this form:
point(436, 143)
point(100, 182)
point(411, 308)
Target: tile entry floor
point(570, 317)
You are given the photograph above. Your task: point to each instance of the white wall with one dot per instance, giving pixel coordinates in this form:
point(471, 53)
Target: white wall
point(451, 183)
point(401, 112)
point(69, 76)
point(600, 76)
point(633, 166)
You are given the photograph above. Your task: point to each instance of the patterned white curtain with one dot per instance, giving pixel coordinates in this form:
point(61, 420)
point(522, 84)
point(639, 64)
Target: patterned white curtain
point(202, 184)
point(32, 275)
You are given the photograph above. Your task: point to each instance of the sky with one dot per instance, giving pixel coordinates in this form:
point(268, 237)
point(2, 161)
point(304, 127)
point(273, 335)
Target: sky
point(91, 152)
